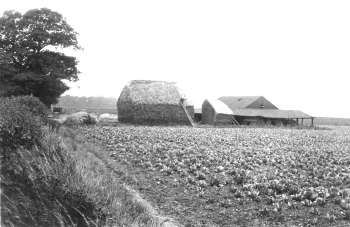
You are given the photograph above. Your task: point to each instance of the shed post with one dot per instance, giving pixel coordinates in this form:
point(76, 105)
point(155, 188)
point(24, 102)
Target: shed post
point(312, 122)
point(302, 121)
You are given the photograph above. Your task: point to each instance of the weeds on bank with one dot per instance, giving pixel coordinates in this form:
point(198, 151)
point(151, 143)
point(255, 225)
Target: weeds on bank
point(54, 180)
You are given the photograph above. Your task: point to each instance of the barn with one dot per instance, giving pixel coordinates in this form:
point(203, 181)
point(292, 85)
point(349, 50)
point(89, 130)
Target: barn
point(258, 110)
point(215, 112)
point(154, 103)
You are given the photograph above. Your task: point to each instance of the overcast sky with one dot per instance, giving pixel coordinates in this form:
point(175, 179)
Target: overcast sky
point(295, 53)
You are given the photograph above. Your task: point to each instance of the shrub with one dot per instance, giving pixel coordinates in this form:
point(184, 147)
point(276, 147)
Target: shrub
point(19, 127)
point(33, 104)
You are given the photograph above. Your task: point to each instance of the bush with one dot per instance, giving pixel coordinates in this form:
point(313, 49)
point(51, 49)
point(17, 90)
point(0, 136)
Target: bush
point(34, 105)
point(19, 127)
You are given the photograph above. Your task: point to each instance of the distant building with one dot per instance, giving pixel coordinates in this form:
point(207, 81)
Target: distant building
point(270, 117)
point(249, 110)
point(154, 102)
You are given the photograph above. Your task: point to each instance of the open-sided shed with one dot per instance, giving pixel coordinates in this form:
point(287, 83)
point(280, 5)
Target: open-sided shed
point(271, 116)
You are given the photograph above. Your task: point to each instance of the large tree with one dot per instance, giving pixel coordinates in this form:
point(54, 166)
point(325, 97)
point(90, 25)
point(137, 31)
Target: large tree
point(27, 63)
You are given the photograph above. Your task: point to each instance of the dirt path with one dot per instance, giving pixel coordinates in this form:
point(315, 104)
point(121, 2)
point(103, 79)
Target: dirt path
point(159, 220)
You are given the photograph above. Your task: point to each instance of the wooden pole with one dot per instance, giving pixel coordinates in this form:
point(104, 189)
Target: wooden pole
point(312, 122)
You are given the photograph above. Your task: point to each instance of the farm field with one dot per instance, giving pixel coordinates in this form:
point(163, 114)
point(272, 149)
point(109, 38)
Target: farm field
point(236, 176)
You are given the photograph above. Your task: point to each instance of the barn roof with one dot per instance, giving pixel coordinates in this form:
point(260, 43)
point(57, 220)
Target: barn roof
point(151, 92)
point(271, 113)
point(219, 106)
point(239, 102)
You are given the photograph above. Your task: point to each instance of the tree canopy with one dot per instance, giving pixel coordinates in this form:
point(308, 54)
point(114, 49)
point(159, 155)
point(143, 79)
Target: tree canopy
point(27, 63)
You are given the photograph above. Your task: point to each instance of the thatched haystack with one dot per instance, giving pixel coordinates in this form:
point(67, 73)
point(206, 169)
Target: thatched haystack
point(153, 102)
point(215, 112)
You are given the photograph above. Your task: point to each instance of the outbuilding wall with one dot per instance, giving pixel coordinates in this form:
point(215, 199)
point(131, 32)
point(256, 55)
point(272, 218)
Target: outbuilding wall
point(247, 120)
point(224, 119)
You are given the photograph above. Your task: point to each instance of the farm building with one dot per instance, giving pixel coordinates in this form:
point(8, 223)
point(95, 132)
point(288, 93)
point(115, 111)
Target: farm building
point(215, 112)
point(271, 117)
point(250, 110)
point(154, 102)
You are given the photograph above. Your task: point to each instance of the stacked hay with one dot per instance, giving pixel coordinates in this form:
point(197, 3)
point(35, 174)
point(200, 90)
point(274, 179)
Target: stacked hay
point(215, 112)
point(153, 102)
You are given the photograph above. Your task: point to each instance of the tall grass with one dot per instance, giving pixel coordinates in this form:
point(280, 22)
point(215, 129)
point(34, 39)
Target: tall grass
point(50, 179)
point(43, 187)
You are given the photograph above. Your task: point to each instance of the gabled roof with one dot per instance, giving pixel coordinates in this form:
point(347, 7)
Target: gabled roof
point(219, 106)
point(271, 113)
point(242, 102)
point(238, 102)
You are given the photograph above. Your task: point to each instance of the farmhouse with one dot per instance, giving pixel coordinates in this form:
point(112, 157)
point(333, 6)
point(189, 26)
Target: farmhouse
point(215, 112)
point(154, 102)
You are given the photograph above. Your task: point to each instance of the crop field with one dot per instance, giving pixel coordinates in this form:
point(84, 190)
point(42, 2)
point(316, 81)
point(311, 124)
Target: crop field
point(236, 176)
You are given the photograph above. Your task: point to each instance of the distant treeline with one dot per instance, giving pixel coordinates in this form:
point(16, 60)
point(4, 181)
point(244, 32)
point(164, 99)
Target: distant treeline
point(89, 103)
point(332, 121)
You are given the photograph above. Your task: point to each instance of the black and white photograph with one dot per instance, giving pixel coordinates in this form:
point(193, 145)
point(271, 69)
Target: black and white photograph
point(187, 113)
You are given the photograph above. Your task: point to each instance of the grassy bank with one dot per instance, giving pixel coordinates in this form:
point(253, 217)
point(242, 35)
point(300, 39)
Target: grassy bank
point(50, 179)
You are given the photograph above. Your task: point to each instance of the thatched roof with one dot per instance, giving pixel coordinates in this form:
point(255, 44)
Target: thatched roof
point(219, 107)
point(271, 113)
point(151, 92)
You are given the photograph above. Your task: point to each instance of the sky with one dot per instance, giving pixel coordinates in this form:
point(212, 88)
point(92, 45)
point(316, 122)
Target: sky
point(295, 53)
